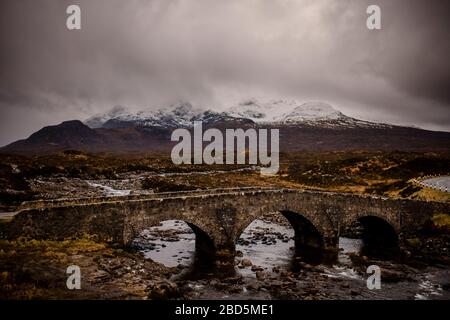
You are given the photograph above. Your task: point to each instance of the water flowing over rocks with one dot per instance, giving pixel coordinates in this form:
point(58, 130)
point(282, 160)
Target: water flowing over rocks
point(264, 270)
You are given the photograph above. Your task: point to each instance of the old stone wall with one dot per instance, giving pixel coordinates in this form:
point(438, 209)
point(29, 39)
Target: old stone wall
point(221, 214)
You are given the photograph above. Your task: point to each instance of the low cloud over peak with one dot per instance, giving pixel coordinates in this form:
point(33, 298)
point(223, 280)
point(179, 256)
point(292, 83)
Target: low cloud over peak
point(146, 54)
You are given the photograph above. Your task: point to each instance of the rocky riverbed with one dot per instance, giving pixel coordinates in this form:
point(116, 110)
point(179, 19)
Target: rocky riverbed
point(267, 268)
point(161, 267)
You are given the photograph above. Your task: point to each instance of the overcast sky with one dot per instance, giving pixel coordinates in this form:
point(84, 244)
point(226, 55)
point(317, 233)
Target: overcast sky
point(147, 53)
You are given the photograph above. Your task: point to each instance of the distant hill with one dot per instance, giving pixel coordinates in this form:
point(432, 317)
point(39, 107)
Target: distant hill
point(75, 135)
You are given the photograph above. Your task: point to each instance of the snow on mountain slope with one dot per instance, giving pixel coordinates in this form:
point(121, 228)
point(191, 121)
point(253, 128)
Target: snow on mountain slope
point(279, 112)
point(178, 115)
point(312, 111)
point(271, 111)
point(282, 111)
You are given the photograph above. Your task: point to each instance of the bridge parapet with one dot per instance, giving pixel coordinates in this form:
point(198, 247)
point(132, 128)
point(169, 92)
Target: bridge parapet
point(62, 202)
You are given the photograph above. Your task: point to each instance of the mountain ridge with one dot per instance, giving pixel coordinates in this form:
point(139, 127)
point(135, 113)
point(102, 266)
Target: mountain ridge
point(279, 112)
point(307, 126)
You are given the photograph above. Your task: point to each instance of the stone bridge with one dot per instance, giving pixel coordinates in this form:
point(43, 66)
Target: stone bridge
point(219, 216)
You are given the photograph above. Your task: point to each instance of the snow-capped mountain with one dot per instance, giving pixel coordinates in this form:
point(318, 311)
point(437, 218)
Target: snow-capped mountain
point(279, 112)
point(262, 112)
point(178, 115)
point(181, 115)
point(303, 126)
point(284, 112)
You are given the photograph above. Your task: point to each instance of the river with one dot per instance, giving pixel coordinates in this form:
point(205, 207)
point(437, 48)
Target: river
point(269, 248)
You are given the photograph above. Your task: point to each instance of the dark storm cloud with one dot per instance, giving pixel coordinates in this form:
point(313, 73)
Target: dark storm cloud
point(419, 48)
point(146, 53)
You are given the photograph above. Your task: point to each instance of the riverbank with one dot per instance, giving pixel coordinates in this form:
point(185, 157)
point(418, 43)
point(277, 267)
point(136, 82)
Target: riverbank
point(32, 269)
point(36, 269)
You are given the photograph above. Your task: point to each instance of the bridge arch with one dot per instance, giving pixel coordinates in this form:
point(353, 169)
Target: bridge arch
point(307, 235)
point(380, 237)
point(203, 227)
point(308, 239)
point(205, 249)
